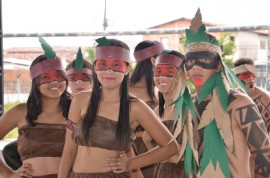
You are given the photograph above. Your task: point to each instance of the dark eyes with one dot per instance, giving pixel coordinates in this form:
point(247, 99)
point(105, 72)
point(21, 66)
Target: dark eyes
point(204, 60)
point(189, 62)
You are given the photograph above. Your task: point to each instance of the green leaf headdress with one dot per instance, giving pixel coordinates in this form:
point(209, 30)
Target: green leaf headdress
point(78, 63)
point(53, 63)
point(48, 51)
point(106, 50)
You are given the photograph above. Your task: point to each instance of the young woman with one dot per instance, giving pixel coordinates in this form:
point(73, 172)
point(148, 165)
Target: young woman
point(142, 86)
point(79, 74)
point(101, 122)
point(166, 78)
point(41, 121)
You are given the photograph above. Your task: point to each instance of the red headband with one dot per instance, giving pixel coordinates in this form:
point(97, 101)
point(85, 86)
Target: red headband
point(112, 52)
point(45, 66)
point(148, 52)
point(169, 59)
point(83, 70)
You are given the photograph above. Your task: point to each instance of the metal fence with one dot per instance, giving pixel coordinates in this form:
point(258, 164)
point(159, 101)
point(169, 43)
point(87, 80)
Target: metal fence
point(139, 32)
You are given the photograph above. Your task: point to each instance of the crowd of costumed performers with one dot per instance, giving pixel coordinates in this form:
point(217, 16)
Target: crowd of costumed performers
point(102, 119)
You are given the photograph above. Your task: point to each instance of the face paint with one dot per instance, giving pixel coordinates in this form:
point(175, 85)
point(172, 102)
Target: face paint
point(51, 76)
point(78, 76)
point(203, 59)
point(205, 63)
point(246, 75)
point(114, 65)
point(165, 70)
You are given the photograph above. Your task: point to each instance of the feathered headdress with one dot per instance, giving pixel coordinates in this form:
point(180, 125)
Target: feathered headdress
point(79, 65)
point(53, 63)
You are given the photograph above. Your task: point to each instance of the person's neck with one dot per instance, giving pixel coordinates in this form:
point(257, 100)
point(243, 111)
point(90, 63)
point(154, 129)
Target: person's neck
point(50, 105)
point(110, 95)
point(168, 98)
point(141, 83)
point(252, 91)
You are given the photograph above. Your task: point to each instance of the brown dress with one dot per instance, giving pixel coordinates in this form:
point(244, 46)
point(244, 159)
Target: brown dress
point(41, 140)
point(170, 170)
point(102, 135)
point(140, 148)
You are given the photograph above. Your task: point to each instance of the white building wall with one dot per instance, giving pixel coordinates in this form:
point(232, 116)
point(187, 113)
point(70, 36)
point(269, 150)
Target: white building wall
point(248, 45)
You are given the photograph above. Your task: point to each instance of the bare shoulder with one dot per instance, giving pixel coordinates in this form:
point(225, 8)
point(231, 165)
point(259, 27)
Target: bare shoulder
point(19, 110)
point(264, 93)
point(139, 109)
point(239, 99)
point(82, 97)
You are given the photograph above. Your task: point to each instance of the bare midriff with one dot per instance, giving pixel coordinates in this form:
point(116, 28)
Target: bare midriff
point(44, 165)
point(92, 159)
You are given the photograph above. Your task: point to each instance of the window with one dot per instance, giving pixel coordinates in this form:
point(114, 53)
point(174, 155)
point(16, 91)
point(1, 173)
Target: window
point(262, 44)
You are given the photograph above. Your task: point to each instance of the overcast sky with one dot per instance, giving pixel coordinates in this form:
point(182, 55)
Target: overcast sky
point(37, 16)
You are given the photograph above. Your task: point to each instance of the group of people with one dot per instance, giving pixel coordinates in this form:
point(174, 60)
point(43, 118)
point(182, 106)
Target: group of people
point(144, 125)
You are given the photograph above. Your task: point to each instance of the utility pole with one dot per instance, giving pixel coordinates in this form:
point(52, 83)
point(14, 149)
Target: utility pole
point(1, 64)
point(105, 23)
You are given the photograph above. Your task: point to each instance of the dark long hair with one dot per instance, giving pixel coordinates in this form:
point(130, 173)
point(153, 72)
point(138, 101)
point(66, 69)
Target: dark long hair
point(161, 101)
point(34, 101)
point(123, 129)
point(144, 68)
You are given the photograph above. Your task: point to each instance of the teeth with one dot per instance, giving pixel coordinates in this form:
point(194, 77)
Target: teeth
point(54, 88)
point(163, 84)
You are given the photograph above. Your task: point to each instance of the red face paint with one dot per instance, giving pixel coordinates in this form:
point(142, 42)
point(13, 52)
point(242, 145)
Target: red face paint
point(51, 76)
point(246, 75)
point(78, 76)
point(198, 82)
point(114, 65)
point(165, 70)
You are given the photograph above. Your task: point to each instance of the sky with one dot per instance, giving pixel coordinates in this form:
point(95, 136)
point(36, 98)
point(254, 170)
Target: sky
point(52, 16)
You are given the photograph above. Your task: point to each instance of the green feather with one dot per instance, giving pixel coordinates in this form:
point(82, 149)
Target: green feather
point(79, 60)
point(178, 109)
point(231, 83)
point(189, 163)
point(48, 51)
point(166, 51)
point(199, 36)
point(207, 88)
point(184, 109)
point(221, 90)
point(235, 78)
point(214, 150)
point(189, 103)
point(103, 41)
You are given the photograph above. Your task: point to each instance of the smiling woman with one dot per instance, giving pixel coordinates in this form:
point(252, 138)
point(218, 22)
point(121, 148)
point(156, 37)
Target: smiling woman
point(102, 122)
point(40, 119)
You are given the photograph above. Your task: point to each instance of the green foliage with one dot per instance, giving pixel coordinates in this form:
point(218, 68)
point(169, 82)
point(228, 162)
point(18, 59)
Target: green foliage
point(91, 54)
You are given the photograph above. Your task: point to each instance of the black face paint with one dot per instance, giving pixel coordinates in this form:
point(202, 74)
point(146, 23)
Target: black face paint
point(204, 59)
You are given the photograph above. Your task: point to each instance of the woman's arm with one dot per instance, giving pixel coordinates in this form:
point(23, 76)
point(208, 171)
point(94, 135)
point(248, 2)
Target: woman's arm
point(160, 134)
point(70, 148)
point(13, 118)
